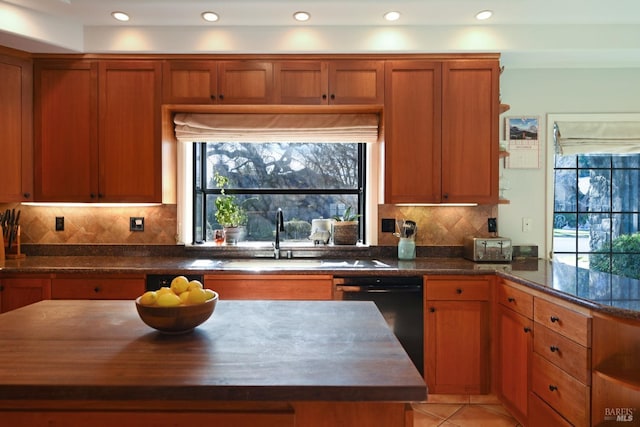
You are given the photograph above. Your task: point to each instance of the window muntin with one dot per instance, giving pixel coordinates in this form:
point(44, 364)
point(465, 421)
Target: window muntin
point(306, 181)
point(596, 212)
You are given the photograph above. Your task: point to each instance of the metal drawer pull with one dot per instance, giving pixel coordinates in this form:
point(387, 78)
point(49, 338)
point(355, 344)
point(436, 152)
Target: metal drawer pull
point(511, 299)
point(554, 319)
point(527, 329)
point(553, 349)
point(458, 291)
point(552, 388)
point(96, 289)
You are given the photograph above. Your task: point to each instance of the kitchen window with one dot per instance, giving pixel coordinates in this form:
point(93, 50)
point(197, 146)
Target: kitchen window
point(596, 201)
point(306, 180)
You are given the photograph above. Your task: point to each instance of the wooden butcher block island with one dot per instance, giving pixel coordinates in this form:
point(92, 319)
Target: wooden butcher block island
point(253, 363)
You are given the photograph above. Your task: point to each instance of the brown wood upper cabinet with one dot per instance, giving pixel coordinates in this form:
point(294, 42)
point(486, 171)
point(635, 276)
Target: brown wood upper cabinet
point(329, 82)
point(97, 131)
point(217, 82)
point(16, 136)
point(441, 131)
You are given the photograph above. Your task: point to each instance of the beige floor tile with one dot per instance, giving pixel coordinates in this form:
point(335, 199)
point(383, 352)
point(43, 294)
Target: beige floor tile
point(484, 398)
point(441, 410)
point(477, 416)
point(421, 419)
point(496, 409)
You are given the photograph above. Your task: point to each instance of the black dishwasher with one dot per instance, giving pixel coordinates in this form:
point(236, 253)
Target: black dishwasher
point(399, 299)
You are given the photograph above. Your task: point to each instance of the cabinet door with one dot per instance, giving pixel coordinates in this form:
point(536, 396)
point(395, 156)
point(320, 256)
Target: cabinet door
point(456, 346)
point(129, 139)
point(412, 131)
point(189, 82)
point(245, 82)
point(514, 356)
point(301, 82)
point(470, 103)
point(271, 287)
point(18, 292)
point(356, 82)
point(66, 112)
point(16, 136)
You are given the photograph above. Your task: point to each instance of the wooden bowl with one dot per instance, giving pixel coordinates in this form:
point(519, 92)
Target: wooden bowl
point(176, 320)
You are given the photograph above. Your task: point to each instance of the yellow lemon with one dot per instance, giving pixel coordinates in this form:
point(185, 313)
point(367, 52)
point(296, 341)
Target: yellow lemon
point(168, 300)
point(184, 297)
point(197, 296)
point(195, 284)
point(149, 298)
point(179, 284)
point(210, 294)
point(164, 290)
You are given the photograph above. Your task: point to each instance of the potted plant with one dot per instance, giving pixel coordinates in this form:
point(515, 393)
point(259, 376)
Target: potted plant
point(229, 213)
point(345, 228)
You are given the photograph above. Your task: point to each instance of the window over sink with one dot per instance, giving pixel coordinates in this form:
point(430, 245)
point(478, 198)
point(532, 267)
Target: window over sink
point(306, 180)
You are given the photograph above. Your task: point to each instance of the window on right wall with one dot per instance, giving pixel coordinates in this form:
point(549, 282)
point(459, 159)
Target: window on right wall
point(596, 196)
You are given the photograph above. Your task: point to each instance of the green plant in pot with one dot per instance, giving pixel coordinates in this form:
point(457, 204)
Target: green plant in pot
point(345, 228)
point(229, 213)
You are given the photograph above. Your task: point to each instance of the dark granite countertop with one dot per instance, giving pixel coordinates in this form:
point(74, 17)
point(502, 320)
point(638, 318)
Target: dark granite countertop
point(605, 293)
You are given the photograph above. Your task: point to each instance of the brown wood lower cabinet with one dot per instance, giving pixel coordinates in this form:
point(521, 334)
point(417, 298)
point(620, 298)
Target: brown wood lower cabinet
point(271, 287)
point(16, 292)
point(457, 334)
point(90, 287)
point(187, 414)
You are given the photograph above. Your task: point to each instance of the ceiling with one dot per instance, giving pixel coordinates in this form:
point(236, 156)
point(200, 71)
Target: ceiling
point(552, 32)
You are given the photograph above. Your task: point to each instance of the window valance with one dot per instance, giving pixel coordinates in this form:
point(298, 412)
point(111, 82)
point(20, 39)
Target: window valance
point(597, 137)
point(277, 127)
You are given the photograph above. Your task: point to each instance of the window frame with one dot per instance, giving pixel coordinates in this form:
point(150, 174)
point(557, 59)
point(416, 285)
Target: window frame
point(363, 157)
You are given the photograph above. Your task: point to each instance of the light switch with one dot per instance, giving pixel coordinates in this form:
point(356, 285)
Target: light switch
point(136, 223)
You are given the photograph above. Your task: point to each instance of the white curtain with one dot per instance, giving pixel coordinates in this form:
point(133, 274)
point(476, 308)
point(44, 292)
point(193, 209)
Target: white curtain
point(597, 137)
point(280, 127)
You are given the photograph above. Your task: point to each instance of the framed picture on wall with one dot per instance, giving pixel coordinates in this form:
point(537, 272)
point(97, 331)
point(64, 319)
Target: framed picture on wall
point(523, 143)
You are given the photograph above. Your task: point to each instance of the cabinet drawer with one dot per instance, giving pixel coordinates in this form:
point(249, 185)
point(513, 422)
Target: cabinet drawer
point(564, 393)
point(90, 288)
point(564, 353)
point(517, 300)
point(541, 414)
point(573, 325)
point(271, 287)
point(452, 290)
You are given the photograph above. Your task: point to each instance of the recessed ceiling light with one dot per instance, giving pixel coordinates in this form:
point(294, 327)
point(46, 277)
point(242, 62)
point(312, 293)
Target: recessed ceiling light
point(392, 16)
point(485, 14)
point(210, 16)
point(120, 16)
point(301, 16)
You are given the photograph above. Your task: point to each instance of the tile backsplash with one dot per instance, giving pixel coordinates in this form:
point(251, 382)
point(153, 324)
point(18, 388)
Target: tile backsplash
point(437, 225)
point(96, 225)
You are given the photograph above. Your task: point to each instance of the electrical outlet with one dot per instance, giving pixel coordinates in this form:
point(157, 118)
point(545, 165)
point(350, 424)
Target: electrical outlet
point(526, 224)
point(136, 223)
point(492, 225)
point(59, 223)
point(388, 225)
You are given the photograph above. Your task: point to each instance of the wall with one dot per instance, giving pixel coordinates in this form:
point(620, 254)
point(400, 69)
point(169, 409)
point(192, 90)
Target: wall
point(538, 92)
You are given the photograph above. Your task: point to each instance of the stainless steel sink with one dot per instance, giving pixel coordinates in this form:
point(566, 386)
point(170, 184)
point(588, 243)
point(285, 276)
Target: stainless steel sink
point(287, 264)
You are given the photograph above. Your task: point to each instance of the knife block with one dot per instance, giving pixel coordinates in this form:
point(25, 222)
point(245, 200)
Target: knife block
point(14, 251)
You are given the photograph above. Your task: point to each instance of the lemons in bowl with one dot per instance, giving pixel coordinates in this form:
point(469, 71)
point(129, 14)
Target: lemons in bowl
point(178, 308)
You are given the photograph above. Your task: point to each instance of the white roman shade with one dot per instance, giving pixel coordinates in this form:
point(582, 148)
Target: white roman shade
point(597, 137)
point(277, 127)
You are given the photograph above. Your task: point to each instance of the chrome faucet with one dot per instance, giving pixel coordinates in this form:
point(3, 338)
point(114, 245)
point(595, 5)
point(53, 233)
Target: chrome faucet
point(279, 229)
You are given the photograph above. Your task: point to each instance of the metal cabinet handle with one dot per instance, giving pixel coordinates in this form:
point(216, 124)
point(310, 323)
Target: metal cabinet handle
point(552, 387)
point(554, 349)
point(432, 309)
point(511, 299)
point(527, 329)
point(458, 291)
point(554, 319)
point(96, 289)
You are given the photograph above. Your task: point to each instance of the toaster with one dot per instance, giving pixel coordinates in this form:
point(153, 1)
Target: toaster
point(488, 249)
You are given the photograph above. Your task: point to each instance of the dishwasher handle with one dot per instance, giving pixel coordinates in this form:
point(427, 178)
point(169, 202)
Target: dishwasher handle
point(379, 288)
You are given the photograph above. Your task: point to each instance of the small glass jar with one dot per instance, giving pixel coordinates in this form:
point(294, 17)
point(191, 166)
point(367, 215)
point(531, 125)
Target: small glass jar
point(406, 248)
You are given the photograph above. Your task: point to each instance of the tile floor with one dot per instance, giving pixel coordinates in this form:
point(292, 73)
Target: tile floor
point(462, 411)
